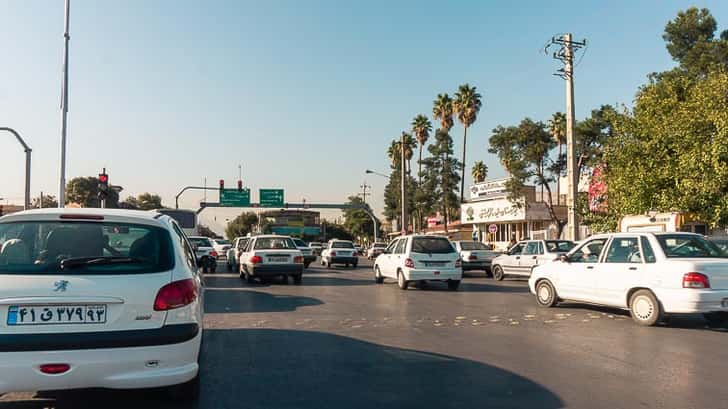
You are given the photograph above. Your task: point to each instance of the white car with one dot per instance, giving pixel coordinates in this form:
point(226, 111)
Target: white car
point(234, 252)
point(419, 258)
point(221, 247)
point(340, 252)
point(475, 255)
point(650, 274)
point(375, 250)
point(520, 259)
point(98, 298)
point(308, 256)
point(269, 255)
point(205, 253)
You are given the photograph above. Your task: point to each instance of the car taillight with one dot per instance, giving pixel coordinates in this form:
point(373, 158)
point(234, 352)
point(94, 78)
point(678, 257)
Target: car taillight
point(256, 259)
point(458, 263)
point(298, 259)
point(472, 257)
point(213, 253)
point(54, 369)
point(695, 280)
point(355, 254)
point(175, 295)
point(409, 263)
point(332, 254)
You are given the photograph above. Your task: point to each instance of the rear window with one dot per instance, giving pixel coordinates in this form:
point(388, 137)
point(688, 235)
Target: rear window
point(274, 243)
point(200, 241)
point(300, 243)
point(185, 218)
point(432, 245)
point(222, 242)
point(473, 245)
point(55, 247)
point(689, 246)
point(559, 246)
point(379, 246)
point(342, 245)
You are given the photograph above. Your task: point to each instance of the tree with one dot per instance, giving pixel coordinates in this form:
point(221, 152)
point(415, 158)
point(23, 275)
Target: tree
point(149, 201)
point(206, 231)
point(335, 231)
point(525, 152)
point(395, 154)
point(440, 176)
point(130, 202)
point(557, 127)
point(84, 191)
point(357, 221)
point(241, 225)
point(466, 106)
point(479, 171)
point(442, 110)
point(421, 128)
point(690, 40)
point(48, 201)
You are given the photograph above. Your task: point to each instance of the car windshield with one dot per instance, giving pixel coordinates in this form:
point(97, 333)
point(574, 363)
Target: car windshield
point(200, 241)
point(379, 246)
point(300, 243)
point(432, 245)
point(222, 242)
point(559, 246)
point(689, 246)
point(342, 245)
point(473, 245)
point(274, 243)
point(53, 247)
point(315, 244)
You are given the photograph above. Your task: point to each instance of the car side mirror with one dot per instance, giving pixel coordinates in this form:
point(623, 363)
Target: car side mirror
point(564, 258)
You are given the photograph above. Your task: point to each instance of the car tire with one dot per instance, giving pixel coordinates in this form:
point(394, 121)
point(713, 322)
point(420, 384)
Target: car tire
point(546, 294)
point(284, 279)
point(297, 279)
point(645, 308)
point(186, 392)
point(378, 275)
point(229, 267)
point(716, 318)
point(354, 265)
point(498, 273)
point(401, 282)
point(305, 265)
point(212, 269)
point(249, 278)
point(453, 285)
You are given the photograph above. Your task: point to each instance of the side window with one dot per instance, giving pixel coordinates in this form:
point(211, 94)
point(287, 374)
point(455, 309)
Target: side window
point(392, 246)
point(185, 245)
point(624, 250)
point(401, 245)
point(517, 249)
point(531, 248)
point(249, 245)
point(540, 247)
point(647, 252)
point(588, 252)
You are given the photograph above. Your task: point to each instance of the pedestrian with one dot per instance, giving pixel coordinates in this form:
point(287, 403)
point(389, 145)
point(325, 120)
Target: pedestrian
point(512, 242)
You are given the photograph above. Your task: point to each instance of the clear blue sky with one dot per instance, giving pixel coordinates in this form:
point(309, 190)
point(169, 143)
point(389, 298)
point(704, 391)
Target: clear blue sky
point(306, 95)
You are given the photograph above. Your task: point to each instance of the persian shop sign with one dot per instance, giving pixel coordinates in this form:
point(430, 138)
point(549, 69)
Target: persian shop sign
point(491, 211)
point(489, 190)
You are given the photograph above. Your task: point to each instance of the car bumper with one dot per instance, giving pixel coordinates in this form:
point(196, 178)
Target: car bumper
point(432, 274)
point(476, 265)
point(309, 259)
point(113, 368)
point(685, 300)
point(263, 270)
point(343, 260)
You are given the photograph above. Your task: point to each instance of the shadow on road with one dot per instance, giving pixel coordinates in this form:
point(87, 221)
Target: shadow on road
point(240, 300)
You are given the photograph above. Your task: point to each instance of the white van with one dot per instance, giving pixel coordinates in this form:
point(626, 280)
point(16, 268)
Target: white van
point(420, 258)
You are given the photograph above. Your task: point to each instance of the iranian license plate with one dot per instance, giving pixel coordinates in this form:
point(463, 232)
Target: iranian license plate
point(278, 259)
point(437, 273)
point(724, 303)
point(56, 314)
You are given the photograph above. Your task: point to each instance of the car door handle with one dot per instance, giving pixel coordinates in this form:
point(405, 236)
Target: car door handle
point(518, 257)
point(633, 268)
point(590, 267)
point(534, 257)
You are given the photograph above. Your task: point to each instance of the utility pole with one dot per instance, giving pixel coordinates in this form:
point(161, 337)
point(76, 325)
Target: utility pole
point(40, 205)
point(64, 110)
point(566, 55)
point(364, 187)
point(404, 191)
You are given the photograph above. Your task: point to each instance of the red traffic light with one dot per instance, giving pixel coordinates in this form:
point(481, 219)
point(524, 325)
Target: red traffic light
point(222, 184)
point(103, 178)
point(240, 185)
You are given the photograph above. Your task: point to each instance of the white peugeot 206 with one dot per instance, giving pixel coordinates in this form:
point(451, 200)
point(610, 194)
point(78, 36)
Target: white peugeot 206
point(650, 274)
point(93, 298)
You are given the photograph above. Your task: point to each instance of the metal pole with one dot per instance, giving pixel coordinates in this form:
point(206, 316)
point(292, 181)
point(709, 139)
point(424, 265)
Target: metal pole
point(404, 192)
point(28, 151)
point(64, 110)
point(572, 177)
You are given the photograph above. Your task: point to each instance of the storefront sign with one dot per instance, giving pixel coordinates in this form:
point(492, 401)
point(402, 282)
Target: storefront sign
point(491, 211)
point(489, 190)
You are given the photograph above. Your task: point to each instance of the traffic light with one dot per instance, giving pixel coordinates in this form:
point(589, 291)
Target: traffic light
point(240, 185)
point(222, 185)
point(103, 185)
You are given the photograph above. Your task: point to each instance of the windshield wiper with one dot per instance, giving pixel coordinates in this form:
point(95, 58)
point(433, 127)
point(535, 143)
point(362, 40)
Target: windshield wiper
point(99, 260)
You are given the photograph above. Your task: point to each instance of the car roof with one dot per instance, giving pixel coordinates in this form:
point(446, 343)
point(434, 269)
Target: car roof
point(275, 236)
point(198, 237)
point(112, 215)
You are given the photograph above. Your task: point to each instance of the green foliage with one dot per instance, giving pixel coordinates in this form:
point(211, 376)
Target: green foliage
point(241, 225)
point(479, 171)
point(440, 177)
point(467, 104)
point(84, 191)
point(145, 201)
point(335, 231)
point(442, 110)
point(48, 201)
point(690, 40)
point(421, 128)
point(357, 221)
point(206, 231)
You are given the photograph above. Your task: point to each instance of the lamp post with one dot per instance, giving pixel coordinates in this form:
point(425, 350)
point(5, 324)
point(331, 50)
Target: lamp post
point(27, 164)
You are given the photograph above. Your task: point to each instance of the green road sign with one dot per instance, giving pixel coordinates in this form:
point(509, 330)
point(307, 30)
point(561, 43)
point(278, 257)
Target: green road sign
point(235, 198)
point(271, 197)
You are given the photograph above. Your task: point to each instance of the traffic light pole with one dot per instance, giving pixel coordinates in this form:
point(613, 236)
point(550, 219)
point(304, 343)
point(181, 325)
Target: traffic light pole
point(186, 188)
point(27, 164)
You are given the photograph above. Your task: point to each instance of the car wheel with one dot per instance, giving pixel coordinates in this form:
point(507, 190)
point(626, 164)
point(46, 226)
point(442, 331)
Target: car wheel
point(328, 264)
point(378, 275)
point(249, 278)
point(716, 318)
point(645, 308)
point(346, 265)
point(305, 265)
point(297, 278)
point(229, 267)
point(546, 294)
point(213, 268)
point(353, 265)
point(185, 392)
point(284, 279)
point(453, 285)
point(401, 282)
point(498, 273)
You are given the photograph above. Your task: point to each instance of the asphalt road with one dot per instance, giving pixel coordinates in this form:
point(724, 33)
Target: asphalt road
point(341, 341)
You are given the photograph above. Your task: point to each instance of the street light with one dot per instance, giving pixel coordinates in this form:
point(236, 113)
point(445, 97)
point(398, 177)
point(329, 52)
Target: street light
point(27, 149)
point(369, 172)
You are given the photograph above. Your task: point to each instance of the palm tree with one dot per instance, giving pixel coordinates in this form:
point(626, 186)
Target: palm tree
point(409, 149)
point(557, 127)
point(479, 171)
point(466, 105)
point(421, 127)
point(442, 110)
point(394, 151)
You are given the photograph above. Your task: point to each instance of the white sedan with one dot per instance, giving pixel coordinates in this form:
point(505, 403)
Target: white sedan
point(650, 274)
point(98, 298)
